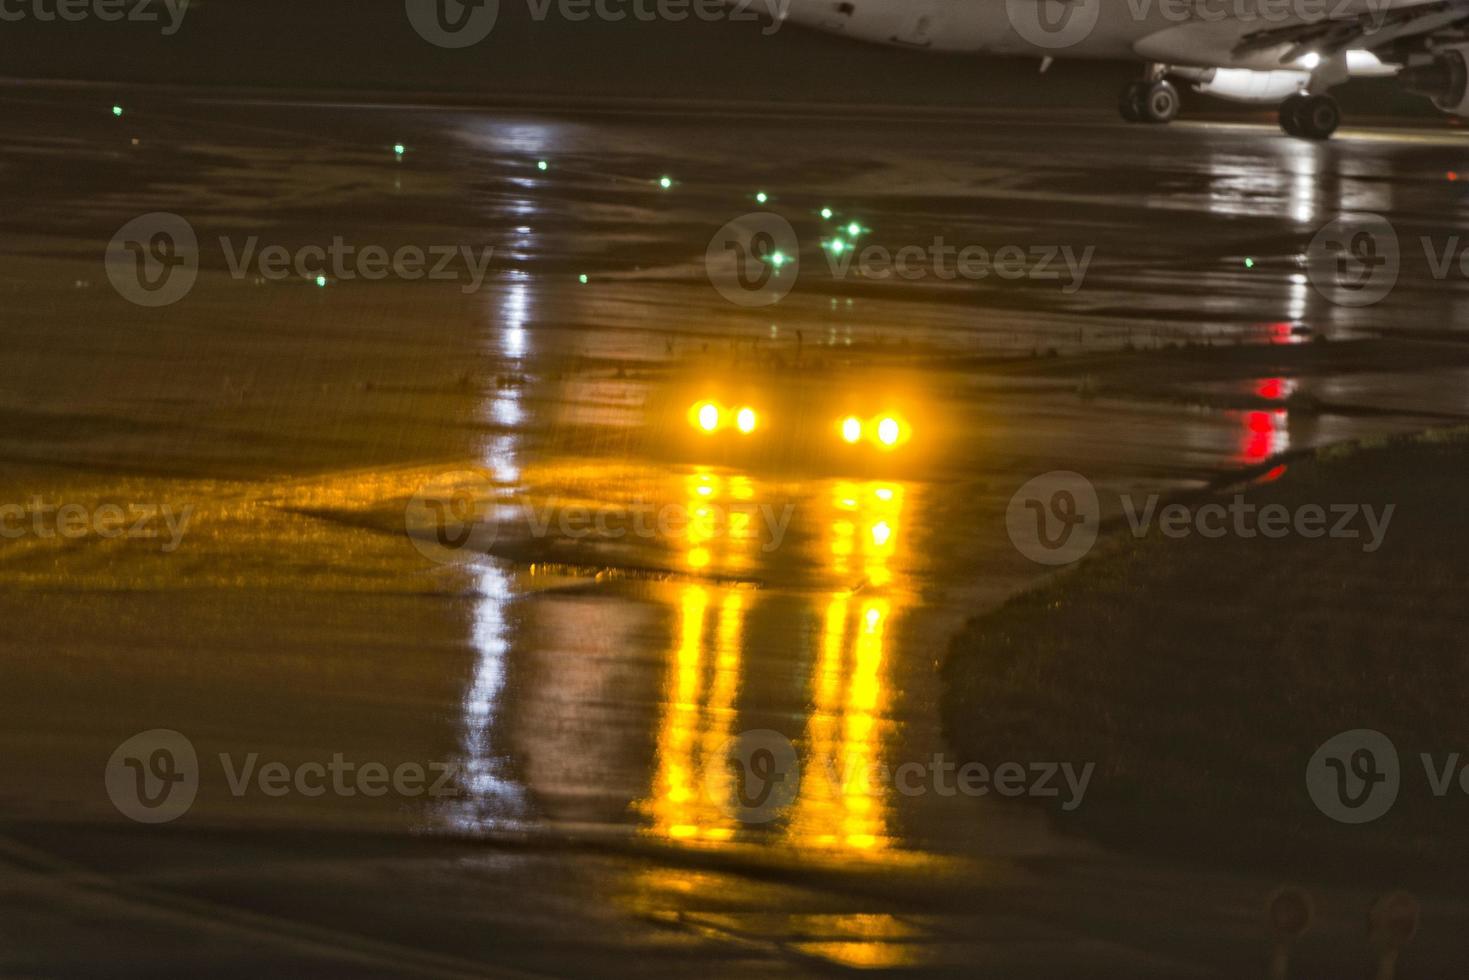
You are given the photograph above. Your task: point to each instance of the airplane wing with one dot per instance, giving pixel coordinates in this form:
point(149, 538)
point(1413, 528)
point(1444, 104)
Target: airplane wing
point(1379, 30)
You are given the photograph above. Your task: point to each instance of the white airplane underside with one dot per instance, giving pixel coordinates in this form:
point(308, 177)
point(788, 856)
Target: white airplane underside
point(1285, 52)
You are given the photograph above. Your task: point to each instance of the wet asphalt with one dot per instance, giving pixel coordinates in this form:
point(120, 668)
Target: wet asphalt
point(636, 603)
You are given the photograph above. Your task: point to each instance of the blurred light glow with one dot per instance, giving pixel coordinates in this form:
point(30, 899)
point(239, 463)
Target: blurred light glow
point(761, 197)
point(888, 431)
point(708, 417)
point(665, 182)
point(851, 428)
point(826, 213)
point(881, 533)
point(745, 420)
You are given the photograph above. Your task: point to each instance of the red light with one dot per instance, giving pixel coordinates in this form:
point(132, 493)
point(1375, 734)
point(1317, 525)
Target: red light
point(1263, 436)
point(1452, 175)
point(1270, 388)
point(1273, 475)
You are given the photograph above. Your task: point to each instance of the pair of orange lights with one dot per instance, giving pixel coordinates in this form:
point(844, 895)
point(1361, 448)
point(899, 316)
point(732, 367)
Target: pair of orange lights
point(887, 431)
point(708, 416)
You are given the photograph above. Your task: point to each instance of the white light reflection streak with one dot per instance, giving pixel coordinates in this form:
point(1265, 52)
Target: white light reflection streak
point(492, 800)
point(1299, 293)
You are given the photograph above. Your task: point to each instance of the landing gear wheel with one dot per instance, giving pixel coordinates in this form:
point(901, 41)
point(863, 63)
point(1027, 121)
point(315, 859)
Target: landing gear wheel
point(1160, 102)
point(1316, 117)
point(1288, 110)
point(1130, 102)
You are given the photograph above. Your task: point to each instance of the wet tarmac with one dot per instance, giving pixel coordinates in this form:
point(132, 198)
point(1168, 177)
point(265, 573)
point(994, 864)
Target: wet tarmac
point(637, 601)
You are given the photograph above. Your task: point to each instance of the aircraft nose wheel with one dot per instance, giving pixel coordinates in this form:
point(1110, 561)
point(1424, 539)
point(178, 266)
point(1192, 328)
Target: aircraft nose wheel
point(1312, 117)
point(1150, 102)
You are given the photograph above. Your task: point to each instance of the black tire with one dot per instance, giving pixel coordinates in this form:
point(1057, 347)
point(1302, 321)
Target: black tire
point(1316, 117)
point(1130, 102)
point(1160, 102)
point(1289, 123)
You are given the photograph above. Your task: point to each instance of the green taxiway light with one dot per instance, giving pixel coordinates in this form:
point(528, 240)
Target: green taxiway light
point(777, 259)
point(854, 229)
point(826, 214)
point(761, 197)
point(117, 110)
point(837, 246)
point(582, 279)
point(1249, 263)
point(665, 182)
point(399, 149)
point(542, 165)
point(321, 282)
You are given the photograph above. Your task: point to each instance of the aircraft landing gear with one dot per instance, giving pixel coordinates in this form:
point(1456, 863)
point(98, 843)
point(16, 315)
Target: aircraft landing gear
point(1130, 102)
point(1312, 117)
point(1151, 102)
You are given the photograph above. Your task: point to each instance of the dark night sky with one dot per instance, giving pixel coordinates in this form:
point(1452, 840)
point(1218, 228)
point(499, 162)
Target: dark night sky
point(369, 45)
